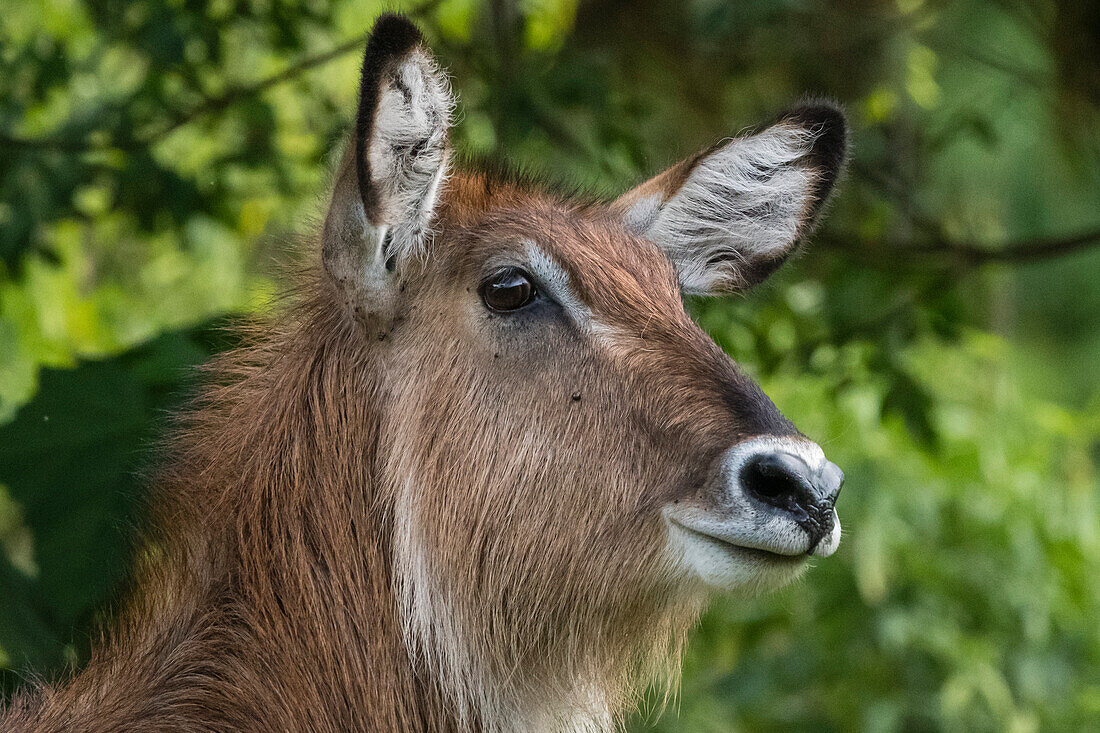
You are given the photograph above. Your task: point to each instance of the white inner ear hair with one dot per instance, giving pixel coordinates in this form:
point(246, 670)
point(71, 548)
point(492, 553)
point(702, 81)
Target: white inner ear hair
point(744, 201)
point(407, 151)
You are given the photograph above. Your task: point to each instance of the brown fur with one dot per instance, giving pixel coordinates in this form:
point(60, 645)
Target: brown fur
point(266, 599)
point(263, 602)
point(396, 510)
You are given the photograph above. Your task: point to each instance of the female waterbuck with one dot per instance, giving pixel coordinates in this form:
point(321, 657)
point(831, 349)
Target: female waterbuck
point(483, 473)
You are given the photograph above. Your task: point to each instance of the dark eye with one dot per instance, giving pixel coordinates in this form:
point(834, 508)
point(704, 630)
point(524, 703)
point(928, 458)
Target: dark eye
point(508, 290)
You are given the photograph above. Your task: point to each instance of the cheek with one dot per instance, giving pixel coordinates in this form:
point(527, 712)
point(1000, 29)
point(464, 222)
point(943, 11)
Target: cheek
point(519, 468)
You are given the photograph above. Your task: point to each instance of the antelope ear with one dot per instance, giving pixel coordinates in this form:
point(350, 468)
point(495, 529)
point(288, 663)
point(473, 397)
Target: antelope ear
point(731, 215)
point(391, 172)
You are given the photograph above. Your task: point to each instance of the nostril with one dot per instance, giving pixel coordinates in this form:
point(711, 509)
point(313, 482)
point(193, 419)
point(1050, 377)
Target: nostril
point(779, 479)
point(785, 481)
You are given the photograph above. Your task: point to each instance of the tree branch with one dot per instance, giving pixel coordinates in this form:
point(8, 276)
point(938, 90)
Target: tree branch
point(935, 243)
point(236, 94)
point(886, 253)
point(1028, 250)
point(179, 118)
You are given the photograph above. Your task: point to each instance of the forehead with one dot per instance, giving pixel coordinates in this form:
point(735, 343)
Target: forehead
point(573, 245)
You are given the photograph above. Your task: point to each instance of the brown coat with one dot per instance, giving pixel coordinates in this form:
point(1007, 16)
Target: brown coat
point(399, 509)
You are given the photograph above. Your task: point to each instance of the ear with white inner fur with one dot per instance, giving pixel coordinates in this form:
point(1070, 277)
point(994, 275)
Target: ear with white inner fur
point(731, 215)
point(391, 173)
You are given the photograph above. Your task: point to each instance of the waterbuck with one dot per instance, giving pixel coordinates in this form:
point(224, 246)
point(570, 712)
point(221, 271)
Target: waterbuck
point(485, 471)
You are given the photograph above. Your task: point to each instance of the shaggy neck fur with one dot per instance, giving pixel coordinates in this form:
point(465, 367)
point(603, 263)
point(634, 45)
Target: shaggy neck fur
point(265, 598)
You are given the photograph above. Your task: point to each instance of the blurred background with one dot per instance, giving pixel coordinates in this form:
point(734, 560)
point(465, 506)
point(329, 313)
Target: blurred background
point(940, 337)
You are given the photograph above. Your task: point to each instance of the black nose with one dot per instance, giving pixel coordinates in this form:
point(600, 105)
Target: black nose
point(786, 482)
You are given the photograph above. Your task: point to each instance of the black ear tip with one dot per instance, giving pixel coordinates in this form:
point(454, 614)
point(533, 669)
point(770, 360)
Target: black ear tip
point(395, 32)
point(392, 37)
point(829, 151)
point(826, 119)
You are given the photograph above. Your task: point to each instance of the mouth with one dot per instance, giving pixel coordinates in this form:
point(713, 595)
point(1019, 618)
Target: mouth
point(728, 552)
point(754, 551)
point(768, 506)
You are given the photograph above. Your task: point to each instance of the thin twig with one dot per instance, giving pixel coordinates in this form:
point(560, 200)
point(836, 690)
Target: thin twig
point(209, 105)
point(235, 94)
point(934, 242)
point(886, 253)
point(1028, 250)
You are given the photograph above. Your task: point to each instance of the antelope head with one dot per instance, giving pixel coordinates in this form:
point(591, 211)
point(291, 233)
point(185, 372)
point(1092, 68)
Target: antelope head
point(571, 467)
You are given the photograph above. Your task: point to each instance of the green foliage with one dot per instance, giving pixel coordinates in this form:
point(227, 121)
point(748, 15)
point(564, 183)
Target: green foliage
point(939, 338)
point(964, 595)
point(71, 466)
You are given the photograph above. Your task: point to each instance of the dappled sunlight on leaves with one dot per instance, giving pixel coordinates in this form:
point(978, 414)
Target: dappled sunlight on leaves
point(157, 160)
